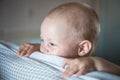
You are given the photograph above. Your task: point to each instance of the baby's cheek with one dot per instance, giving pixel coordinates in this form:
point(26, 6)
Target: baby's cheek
point(51, 50)
point(54, 51)
point(60, 53)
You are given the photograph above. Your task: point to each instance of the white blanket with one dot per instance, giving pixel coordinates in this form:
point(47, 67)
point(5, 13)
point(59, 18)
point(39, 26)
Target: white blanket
point(38, 66)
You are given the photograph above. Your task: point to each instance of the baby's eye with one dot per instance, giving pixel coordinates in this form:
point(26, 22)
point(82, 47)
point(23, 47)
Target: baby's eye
point(52, 44)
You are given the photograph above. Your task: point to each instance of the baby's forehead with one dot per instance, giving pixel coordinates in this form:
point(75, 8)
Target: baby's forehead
point(71, 16)
point(70, 23)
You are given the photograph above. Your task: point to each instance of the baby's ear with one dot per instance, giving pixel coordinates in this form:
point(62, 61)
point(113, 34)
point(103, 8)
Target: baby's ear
point(84, 48)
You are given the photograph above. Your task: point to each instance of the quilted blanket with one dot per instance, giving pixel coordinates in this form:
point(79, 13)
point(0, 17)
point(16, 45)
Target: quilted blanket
point(38, 66)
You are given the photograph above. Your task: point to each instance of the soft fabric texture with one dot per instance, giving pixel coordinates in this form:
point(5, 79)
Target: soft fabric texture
point(38, 66)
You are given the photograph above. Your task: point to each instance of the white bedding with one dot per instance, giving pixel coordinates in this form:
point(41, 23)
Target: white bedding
point(38, 66)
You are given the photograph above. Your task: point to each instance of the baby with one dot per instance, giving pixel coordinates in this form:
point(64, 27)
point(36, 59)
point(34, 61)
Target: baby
point(70, 31)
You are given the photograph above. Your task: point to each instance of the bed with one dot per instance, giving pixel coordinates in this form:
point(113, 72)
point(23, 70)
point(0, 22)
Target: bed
point(38, 66)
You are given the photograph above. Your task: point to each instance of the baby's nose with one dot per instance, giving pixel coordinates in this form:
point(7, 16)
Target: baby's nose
point(44, 49)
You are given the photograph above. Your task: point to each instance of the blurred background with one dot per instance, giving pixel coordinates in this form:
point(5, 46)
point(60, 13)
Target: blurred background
point(20, 22)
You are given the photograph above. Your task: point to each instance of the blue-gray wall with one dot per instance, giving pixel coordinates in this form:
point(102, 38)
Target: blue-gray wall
point(20, 19)
point(110, 34)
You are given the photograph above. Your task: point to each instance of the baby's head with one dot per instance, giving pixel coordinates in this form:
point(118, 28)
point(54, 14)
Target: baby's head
point(70, 30)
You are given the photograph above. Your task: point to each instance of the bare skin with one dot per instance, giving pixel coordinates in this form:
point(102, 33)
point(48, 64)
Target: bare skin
point(81, 66)
point(27, 49)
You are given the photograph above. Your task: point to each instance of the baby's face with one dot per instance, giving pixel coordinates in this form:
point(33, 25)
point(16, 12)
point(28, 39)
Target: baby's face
point(57, 38)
